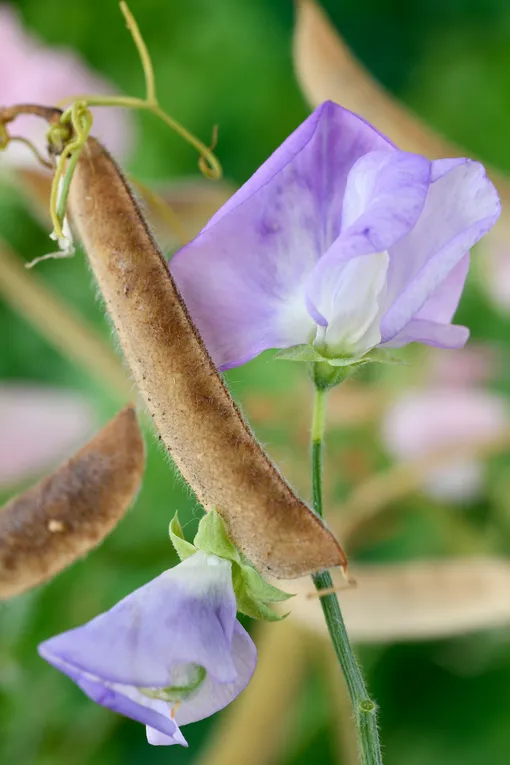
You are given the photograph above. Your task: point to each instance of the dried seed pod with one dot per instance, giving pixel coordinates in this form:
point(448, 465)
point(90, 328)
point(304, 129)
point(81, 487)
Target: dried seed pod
point(192, 410)
point(327, 69)
point(61, 518)
point(419, 600)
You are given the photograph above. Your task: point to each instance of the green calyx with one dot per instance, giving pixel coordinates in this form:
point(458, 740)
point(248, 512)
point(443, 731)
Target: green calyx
point(331, 370)
point(253, 593)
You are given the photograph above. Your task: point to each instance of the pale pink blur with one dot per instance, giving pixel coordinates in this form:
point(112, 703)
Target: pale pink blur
point(423, 421)
point(496, 268)
point(37, 73)
point(39, 427)
point(475, 364)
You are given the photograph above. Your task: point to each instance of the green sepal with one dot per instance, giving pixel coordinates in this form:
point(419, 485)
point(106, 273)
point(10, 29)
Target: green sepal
point(246, 603)
point(183, 548)
point(308, 353)
point(212, 538)
point(304, 352)
point(253, 593)
point(258, 588)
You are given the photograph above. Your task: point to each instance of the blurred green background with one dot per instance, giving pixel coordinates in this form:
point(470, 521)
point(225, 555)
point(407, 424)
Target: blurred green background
point(228, 62)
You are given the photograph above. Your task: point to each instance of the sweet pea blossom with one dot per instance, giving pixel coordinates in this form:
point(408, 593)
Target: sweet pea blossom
point(36, 73)
point(169, 654)
point(340, 241)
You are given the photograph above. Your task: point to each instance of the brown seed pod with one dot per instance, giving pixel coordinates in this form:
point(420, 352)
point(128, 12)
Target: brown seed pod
point(197, 419)
point(417, 600)
point(65, 515)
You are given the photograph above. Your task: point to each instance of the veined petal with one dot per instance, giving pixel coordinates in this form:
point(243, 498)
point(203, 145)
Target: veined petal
point(243, 277)
point(431, 325)
point(442, 304)
point(461, 207)
point(151, 713)
point(171, 653)
point(430, 333)
point(350, 300)
point(186, 615)
point(212, 695)
point(384, 196)
point(156, 738)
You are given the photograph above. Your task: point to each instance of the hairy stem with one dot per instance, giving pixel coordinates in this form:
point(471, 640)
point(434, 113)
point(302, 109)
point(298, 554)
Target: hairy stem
point(365, 710)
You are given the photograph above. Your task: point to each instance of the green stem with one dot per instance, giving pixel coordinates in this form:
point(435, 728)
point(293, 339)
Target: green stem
point(365, 710)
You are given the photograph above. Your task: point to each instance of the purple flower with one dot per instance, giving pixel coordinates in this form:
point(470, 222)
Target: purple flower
point(339, 240)
point(169, 654)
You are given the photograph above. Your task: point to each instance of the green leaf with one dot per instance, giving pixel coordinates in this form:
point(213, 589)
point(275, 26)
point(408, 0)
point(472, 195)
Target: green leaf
point(183, 548)
point(248, 605)
point(257, 587)
point(212, 537)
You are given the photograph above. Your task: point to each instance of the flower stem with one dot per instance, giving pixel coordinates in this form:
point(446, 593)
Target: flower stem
point(365, 710)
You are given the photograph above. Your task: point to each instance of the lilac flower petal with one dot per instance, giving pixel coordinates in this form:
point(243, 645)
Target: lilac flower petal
point(116, 701)
point(182, 616)
point(442, 304)
point(212, 695)
point(156, 738)
point(340, 136)
point(431, 324)
point(170, 653)
point(243, 277)
point(430, 333)
point(461, 207)
point(384, 197)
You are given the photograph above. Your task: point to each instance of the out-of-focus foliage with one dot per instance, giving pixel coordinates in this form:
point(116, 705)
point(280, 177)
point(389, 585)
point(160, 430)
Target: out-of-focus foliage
point(229, 63)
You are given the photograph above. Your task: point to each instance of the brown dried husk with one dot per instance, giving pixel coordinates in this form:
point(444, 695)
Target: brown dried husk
point(65, 515)
point(196, 417)
point(413, 601)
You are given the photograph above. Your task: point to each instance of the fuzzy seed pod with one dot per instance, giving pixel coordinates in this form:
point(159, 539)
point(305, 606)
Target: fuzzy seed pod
point(196, 417)
point(65, 515)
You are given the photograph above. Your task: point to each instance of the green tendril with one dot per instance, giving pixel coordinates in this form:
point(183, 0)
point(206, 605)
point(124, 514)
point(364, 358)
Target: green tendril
point(68, 136)
point(79, 118)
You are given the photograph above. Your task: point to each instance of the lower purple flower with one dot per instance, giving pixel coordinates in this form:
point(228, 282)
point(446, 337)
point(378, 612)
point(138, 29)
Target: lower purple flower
point(169, 654)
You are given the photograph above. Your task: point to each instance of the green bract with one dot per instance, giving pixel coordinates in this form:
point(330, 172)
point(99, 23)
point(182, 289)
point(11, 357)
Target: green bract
point(308, 353)
point(252, 591)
